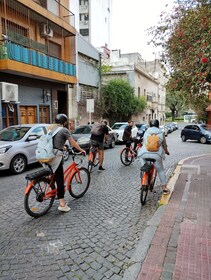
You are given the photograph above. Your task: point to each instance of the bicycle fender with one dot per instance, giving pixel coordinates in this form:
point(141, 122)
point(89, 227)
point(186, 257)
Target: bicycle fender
point(144, 179)
point(29, 186)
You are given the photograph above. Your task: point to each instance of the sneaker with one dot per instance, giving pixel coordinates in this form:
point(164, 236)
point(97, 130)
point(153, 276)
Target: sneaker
point(65, 208)
point(101, 168)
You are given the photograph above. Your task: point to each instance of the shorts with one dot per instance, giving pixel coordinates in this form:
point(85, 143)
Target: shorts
point(98, 144)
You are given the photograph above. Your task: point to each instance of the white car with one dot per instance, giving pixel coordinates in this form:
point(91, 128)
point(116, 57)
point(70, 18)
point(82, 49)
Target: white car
point(18, 144)
point(119, 128)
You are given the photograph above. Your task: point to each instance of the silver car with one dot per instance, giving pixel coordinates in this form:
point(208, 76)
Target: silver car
point(18, 144)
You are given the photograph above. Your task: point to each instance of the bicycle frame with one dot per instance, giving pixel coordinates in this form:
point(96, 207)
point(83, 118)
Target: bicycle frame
point(148, 176)
point(67, 178)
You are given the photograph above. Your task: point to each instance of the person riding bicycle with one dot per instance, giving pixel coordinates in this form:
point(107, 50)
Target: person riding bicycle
point(57, 163)
point(158, 155)
point(127, 135)
point(98, 141)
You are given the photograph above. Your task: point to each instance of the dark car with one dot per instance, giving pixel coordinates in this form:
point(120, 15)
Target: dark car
point(141, 129)
point(82, 136)
point(199, 132)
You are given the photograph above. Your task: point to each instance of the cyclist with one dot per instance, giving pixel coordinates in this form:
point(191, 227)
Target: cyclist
point(98, 141)
point(127, 135)
point(158, 155)
point(57, 163)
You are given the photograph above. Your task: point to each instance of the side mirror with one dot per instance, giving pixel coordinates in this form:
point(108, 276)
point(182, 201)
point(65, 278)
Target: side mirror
point(32, 137)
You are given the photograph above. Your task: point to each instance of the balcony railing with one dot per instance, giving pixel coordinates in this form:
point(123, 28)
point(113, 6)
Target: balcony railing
point(21, 54)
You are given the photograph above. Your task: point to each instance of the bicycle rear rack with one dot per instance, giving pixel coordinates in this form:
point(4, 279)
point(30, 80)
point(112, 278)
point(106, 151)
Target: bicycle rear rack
point(37, 174)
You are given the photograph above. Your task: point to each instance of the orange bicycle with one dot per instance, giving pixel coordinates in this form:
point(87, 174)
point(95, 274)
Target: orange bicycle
point(148, 177)
point(127, 155)
point(41, 190)
point(93, 157)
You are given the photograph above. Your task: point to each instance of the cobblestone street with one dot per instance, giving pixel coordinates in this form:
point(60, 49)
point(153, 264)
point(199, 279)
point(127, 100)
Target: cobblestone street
point(97, 238)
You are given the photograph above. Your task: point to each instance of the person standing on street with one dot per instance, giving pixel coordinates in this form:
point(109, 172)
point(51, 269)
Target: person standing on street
point(57, 163)
point(98, 141)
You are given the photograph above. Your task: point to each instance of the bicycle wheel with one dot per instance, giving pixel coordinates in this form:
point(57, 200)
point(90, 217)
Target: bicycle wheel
point(79, 182)
point(144, 188)
point(38, 201)
point(126, 156)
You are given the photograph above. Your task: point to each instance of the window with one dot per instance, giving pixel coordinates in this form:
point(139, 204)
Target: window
point(54, 49)
point(84, 32)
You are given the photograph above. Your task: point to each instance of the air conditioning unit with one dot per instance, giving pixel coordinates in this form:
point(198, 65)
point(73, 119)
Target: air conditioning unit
point(46, 31)
point(9, 92)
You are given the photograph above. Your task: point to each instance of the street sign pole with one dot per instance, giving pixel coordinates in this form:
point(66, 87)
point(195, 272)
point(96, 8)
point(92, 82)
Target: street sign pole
point(90, 108)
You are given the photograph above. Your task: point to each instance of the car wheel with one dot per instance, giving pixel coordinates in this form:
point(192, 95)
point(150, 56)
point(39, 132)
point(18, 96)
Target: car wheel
point(66, 155)
point(18, 164)
point(112, 145)
point(183, 138)
point(203, 140)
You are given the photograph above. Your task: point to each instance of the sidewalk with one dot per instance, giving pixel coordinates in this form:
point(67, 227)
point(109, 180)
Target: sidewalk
point(179, 236)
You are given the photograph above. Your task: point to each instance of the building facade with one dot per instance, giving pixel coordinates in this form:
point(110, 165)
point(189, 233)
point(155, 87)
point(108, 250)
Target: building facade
point(95, 23)
point(37, 60)
point(146, 83)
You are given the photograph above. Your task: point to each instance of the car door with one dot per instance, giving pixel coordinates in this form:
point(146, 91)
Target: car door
point(195, 133)
point(32, 144)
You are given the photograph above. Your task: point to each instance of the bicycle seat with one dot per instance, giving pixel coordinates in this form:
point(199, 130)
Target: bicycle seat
point(37, 174)
point(146, 167)
point(93, 149)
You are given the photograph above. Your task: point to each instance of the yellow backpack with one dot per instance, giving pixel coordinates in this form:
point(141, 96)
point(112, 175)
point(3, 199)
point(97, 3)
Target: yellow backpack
point(152, 144)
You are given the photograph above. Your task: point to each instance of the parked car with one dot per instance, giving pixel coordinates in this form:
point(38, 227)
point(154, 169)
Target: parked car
point(141, 129)
point(18, 144)
point(82, 136)
point(199, 132)
point(119, 127)
point(164, 129)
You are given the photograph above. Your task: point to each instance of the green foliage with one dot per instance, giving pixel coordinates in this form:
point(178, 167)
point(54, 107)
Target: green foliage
point(118, 101)
point(175, 101)
point(185, 35)
point(105, 69)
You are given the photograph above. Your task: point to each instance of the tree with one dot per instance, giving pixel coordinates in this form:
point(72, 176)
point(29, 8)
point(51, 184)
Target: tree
point(185, 36)
point(175, 102)
point(118, 102)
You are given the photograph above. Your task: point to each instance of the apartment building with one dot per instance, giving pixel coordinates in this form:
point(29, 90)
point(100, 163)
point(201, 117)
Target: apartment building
point(95, 23)
point(37, 60)
point(144, 79)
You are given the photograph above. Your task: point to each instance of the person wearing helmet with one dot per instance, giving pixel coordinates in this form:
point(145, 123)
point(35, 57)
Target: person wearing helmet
point(158, 155)
point(57, 163)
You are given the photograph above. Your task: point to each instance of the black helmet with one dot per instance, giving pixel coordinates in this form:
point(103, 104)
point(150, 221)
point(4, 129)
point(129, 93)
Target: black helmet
point(61, 118)
point(154, 123)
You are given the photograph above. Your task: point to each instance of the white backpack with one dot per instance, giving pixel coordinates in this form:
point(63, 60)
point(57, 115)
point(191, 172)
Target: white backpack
point(44, 150)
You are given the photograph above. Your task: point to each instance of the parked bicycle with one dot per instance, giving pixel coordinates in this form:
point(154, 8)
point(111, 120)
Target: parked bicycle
point(93, 158)
point(41, 190)
point(127, 155)
point(148, 177)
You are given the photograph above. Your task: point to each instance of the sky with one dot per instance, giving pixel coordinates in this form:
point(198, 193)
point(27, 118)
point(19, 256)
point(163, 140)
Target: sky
point(130, 19)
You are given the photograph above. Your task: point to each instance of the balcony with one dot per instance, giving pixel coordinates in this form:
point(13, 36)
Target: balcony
point(35, 60)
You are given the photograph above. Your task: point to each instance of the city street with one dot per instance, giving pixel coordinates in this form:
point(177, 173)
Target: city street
point(98, 237)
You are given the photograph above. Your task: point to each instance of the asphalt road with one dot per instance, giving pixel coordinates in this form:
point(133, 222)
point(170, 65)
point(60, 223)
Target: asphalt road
point(97, 238)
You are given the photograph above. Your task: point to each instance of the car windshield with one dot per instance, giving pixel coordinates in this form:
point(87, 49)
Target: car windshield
point(119, 126)
point(82, 130)
point(13, 133)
